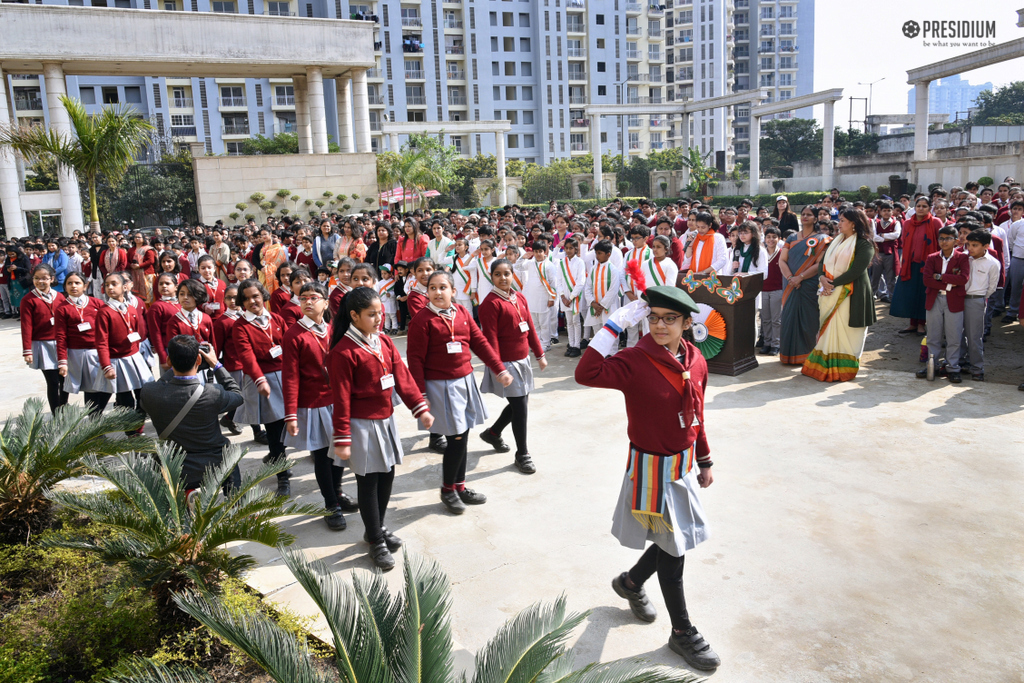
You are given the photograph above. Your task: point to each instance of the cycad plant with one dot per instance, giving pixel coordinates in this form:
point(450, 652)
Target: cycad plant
point(168, 541)
point(106, 143)
point(38, 451)
point(384, 638)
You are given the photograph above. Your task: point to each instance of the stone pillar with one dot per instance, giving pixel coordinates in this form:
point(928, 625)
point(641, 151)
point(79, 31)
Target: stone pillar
point(344, 113)
point(921, 121)
point(684, 123)
point(10, 185)
point(499, 148)
point(302, 127)
point(361, 118)
point(595, 150)
point(828, 146)
point(393, 142)
point(70, 199)
point(317, 109)
point(755, 154)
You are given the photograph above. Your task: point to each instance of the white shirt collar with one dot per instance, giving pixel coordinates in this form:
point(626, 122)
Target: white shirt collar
point(319, 329)
point(261, 320)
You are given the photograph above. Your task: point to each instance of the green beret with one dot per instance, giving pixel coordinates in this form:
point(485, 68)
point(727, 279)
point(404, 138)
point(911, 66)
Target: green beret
point(672, 298)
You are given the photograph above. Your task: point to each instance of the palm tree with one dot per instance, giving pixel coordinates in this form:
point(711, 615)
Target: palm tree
point(37, 452)
point(104, 144)
point(703, 173)
point(397, 639)
point(168, 541)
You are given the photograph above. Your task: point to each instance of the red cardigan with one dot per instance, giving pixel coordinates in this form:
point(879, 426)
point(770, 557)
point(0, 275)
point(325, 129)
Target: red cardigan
point(427, 347)
point(958, 272)
point(355, 386)
point(279, 298)
point(148, 259)
point(653, 402)
point(140, 310)
point(303, 372)
point(122, 262)
point(36, 315)
point(911, 226)
point(290, 313)
point(157, 317)
point(253, 346)
point(225, 343)
point(112, 330)
point(69, 317)
point(179, 325)
point(500, 320)
point(416, 302)
point(214, 306)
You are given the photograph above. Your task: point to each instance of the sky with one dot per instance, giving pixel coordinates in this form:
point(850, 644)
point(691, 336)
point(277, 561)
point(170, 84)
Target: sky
point(863, 41)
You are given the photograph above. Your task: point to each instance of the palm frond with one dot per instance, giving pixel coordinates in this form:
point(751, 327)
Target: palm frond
point(425, 628)
point(379, 617)
point(527, 644)
point(619, 671)
point(276, 651)
point(140, 670)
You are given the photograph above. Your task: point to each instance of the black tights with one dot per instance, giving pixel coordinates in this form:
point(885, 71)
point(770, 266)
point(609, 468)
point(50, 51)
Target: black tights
point(515, 412)
point(328, 476)
point(55, 394)
point(132, 400)
point(453, 466)
point(374, 491)
point(670, 576)
point(275, 439)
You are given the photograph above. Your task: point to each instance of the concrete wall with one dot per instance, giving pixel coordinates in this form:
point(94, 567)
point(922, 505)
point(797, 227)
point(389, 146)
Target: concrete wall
point(222, 182)
point(513, 185)
point(940, 139)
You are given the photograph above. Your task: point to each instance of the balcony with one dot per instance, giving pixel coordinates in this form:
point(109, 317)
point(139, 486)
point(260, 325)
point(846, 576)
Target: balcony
point(634, 8)
point(181, 103)
point(685, 74)
point(574, 27)
point(792, 48)
point(635, 145)
point(743, 135)
point(457, 100)
point(575, 52)
point(235, 129)
point(633, 55)
point(284, 100)
point(412, 23)
point(375, 100)
point(455, 49)
point(278, 13)
point(637, 78)
point(578, 147)
point(453, 23)
point(232, 101)
point(764, 51)
point(656, 56)
point(579, 123)
point(457, 75)
point(284, 126)
point(658, 123)
point(634, 31)
point(740, 4)
point(375, 126)
point(416, 100)
point(655, 10)
point(577, 75)
point(742, 118)
point(633, 122)
point(375, 73)
point(414, 75)
point(787, 67)
point(31, 104)
point(636, 99)
point(575, 4)
point(25, 77)
point(654, 78)
point(577, 99)
point(183, 131)
point(655, 145)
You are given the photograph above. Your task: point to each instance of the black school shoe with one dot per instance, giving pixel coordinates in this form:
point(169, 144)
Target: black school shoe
point(584, 343)
point(230, 425)
point(471, 497)
point(690, 644)
point(638, 602)
point(954, 378)
point(979, 377)
point(525, 464)
point(453, 502)
point(392, 542)
point(438, 444)
point(495, 440)
point(381, 556)
point(336, 520)
point(346, 503)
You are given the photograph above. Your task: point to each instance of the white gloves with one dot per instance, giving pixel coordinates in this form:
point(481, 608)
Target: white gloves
point(606, 341)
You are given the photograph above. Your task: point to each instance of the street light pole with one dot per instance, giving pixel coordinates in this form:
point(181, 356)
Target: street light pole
point(871, 87)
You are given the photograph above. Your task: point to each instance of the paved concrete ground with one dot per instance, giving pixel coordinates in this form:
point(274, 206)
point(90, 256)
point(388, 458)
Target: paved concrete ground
point(866, 531)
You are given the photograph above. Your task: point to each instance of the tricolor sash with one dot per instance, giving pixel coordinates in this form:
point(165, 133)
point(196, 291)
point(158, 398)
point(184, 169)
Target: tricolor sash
point(657, 273)
point(544, 280)
point(460, 269)
point(571, 281)
point(650, 476)
point(602, 283)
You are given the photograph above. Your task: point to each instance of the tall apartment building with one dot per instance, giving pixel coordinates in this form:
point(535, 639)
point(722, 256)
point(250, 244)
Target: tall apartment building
point(536, 63)
point(951, 95)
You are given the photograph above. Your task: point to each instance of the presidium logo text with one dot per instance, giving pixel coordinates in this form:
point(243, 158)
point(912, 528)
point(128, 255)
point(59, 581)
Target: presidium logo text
point(955, 30)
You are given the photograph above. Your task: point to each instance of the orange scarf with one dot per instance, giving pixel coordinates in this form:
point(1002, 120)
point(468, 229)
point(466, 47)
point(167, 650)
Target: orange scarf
point(707, 251)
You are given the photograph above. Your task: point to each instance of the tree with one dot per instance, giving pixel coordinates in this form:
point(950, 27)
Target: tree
point(106, 144)
point(544, 183)
point(151, 194)
point(853, 142)
point(702, 174)
point(381, 638)
point(282, 143)
point(1001, 107)
point(785, 141)
point(37, 452)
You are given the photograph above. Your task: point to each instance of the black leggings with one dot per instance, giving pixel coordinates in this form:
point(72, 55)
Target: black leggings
point(453, 466)
point(515, 412)
point(275, 439)
point(328, 476)
point(132, 400)
point(374, 491)
point(55, 394)
point(670, 576)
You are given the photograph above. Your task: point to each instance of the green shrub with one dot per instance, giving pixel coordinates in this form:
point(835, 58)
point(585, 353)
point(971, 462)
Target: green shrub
point(30, 666)
point(986, 181)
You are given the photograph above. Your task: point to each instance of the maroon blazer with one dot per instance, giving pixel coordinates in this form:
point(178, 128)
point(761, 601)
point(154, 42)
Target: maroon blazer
point(957, 273)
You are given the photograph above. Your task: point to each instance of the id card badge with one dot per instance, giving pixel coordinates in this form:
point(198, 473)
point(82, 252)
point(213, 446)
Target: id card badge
point(387, 381)
point(524, 327)
point(454, 347)
point(276, 351)
point(134, 337)
point(84, 327)
point(682, 421)
point(213, 306)
point(51, 322)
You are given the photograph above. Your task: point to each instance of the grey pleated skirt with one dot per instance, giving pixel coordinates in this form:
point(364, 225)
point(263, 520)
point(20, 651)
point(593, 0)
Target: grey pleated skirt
point(260, 410)
point(456, 405)
point(683, 512)
point(146, 349)
point(84, 372)
point(375, 446)
point(316, 429)
point(132, 372)
point(44, 355)
point(522, 380)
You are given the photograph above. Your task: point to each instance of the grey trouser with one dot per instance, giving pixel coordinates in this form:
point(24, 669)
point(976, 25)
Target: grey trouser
point(771, 318)
point(883, 271)
point(974, 330)
point(995, 303)
point(944, 324)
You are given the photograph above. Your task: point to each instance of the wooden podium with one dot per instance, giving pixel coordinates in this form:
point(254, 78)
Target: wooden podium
point(737, 355)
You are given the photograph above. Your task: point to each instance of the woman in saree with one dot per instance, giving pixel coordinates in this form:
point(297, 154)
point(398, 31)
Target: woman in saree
point(273, 255)
point(846, 305)
point(142, 259)
point(920, 238)
point(799, 265)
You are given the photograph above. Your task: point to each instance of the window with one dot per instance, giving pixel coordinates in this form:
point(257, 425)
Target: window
point(767, 62)
point(497, 115)
point(513, 141)
point(685, 54)
point(224, 7)
point(87, 95)
point(768, 12)
point(495, 69)
point(601, 90)
point(494, 43)
point(600, 43)
point(528, 117)
point(279, 9)
point(600, 67)
point(232, 96)
point(785, 94)
point(599, 19)
point(183, 120)
point(110, 95)
point(510, 68)
point(494, 18)
point(524, 20)
point(527, 93)
point(786, 12)
point(507, 19)
point(509, 44)
point(512, 117)
point(785, 62)
point(416, 116)
point(233, 148)
point(786, 29)
point(767, 80)
point(524, 44)
point(496, 93)
point(510, 92)
point(528, 141)
point(785, 79)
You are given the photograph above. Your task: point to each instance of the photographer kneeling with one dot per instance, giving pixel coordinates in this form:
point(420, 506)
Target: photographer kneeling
point(186, 411)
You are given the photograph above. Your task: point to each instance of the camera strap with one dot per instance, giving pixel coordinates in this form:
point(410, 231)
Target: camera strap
point(183, 412)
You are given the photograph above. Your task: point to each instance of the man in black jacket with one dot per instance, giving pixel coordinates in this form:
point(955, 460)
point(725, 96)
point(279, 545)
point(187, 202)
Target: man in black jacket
point(197, 432)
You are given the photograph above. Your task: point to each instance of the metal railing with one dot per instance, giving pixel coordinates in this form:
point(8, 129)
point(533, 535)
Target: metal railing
point(637, 99)
point(655, 10)
point(28, 104)
point(415, 100)
point(182, 103)
point(577, 52)
point(235, 129)
point(634, 8)
point(25, 77)
point(577, 75)
point(576, 4)
point(578, 147)
point(455, 49)
point(375, 125)
point(412, 22)
point(579, 123)
point(183, 131)
point(577, 99)
point(232, 101)
point(656, 145)
point(414, 74)
point(457, 100)
point(459, 75)
point(376, 99)
point(654, 33)
point(278, 13)
point(633, 122)
point(375, 73)
point(634, 31)
point(636, 144)
point(574, 27)
point(285, 126)
point(453, 23)
point(655, 78)
point(284, 100)
point(637, 78)
point(655, 56)
point(632, 54)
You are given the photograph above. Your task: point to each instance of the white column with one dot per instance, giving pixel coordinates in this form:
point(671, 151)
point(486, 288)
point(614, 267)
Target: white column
point(302, 127)
point(344, 113)
point(393, 142)
point(70, 199)
point(755, 154)
point(828, 145)
point(921, 121)
point(317, 109)
point(684, 122)
point(595, 150)
point(361, 118)
point(499, 148)
point(14, 219)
